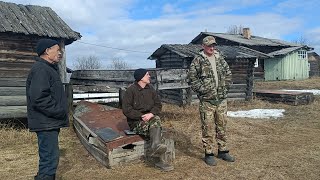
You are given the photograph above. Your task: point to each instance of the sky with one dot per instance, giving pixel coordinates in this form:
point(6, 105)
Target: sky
point(131, 30)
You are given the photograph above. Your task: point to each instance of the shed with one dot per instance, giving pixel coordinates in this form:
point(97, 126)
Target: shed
point(240, 59)
point(314, 64)
point(287, 64)
point(270, 47)
point(20, 28)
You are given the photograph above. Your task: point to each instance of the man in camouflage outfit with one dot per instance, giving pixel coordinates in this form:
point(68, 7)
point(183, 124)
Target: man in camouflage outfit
point(141, 105)
point(210, 78)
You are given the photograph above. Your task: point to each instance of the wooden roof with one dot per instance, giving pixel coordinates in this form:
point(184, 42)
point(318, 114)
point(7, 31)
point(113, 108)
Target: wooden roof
point(285, 51)
point(241, 40)
point(191, 50)
point(34, 20)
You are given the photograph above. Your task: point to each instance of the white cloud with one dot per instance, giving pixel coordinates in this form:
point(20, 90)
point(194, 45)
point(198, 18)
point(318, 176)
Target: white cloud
point(109, 23)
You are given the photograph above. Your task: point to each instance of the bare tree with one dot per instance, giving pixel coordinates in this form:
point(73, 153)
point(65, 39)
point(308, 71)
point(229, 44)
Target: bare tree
point(88, 62)
point(234, 29)
point(301, 40)
point(117, 64)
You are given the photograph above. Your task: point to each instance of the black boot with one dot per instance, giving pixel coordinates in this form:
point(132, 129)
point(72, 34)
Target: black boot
point(156, 147)
point(224, 155)
point(45, 177)
point(209, 160)
point(163, 165)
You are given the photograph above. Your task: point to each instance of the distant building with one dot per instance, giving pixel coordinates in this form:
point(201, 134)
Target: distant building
point(314, 63)
point(288, 61)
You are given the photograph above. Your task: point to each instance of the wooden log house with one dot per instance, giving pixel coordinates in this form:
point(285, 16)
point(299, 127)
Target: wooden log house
point(286, 60)
point(240, 59)
point(20, 28)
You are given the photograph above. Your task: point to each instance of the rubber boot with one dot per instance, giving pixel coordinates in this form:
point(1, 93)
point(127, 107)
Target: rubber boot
point(209, 160)
point(163, 165)
point(156, 147)
point(224, 155)
point(45, 177)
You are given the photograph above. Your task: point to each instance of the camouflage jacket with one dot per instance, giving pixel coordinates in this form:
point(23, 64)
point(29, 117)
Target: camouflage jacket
point(202, 81)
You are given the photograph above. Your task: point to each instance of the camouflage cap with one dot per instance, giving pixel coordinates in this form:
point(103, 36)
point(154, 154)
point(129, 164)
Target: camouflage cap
point(209, 40)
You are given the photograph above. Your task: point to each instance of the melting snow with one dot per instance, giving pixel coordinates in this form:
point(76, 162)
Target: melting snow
point(314, 91)
point(257, 113)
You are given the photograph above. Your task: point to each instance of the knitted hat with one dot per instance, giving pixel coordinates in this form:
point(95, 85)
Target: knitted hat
point(43, 44)
point(139, 74)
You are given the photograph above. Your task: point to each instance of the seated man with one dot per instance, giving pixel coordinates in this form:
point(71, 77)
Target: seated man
point(141, 105)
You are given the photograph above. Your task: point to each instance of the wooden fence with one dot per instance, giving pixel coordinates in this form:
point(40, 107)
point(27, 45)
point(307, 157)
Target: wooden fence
point(170, 83)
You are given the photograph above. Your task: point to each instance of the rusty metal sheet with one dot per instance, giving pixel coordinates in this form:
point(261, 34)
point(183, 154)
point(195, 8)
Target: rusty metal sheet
point(96, 116)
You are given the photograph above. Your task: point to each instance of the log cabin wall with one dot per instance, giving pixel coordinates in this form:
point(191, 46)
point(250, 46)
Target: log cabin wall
point(240, 59)
point(172, 60)
point(16, 58)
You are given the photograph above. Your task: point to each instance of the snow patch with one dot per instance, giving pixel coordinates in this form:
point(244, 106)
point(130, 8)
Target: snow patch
point(258, 113)
point(314, 91)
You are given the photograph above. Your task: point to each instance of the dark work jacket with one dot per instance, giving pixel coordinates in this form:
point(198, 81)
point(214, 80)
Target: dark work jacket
point(138, 101)
point(46, 99)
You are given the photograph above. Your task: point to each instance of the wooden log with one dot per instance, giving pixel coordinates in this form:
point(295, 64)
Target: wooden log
point(164, 75)
point(236, 95)
point(62, 63)
point(12, 82)
point(12, 112)
point(174, 85)
point(92, 89)
point(13, 101)
point(14, 73)
point(12, 91)
point(69, 92)
point(116, 85)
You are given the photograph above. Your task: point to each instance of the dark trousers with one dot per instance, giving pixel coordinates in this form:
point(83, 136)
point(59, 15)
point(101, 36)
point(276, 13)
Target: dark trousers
point(48, 152)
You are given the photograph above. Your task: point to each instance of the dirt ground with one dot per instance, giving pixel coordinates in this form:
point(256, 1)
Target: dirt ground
point(284, 148)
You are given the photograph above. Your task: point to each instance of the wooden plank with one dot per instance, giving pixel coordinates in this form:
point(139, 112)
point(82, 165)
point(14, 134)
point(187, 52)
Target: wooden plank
point(12, 91)
point(12, 112)
point(97, 153)
point(13, 101)
point(288, 97)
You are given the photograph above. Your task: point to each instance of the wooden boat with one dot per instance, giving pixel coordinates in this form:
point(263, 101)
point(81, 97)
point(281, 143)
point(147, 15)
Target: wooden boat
point(101, 129)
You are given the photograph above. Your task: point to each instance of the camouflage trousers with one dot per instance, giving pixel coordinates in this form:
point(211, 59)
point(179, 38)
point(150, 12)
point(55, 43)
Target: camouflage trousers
point(142, 128)
point(213, 124)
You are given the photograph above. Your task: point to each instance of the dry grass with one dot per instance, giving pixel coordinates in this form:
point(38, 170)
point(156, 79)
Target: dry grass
point(285, 148)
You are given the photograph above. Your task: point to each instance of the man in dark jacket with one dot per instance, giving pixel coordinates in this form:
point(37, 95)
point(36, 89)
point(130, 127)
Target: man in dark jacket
point(47, 106)
point(141, 105)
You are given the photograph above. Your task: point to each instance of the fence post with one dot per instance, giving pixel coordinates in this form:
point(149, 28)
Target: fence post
point(69, 92)
point(122, 90)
